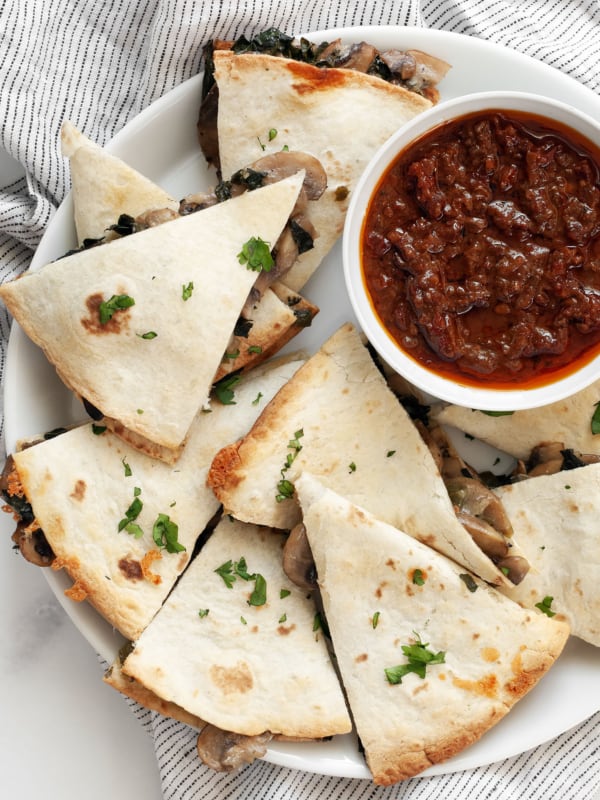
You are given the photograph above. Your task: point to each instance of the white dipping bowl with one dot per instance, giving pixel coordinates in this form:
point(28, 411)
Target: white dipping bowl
point(444, 388)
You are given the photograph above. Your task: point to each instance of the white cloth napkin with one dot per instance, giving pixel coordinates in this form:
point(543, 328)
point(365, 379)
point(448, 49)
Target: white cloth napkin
point(98, 63)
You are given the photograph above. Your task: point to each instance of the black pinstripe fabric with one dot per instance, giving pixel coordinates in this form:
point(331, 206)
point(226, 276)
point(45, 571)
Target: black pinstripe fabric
point(98, 63)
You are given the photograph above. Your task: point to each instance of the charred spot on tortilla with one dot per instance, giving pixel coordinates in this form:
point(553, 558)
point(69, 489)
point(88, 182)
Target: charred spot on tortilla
point(131, 569)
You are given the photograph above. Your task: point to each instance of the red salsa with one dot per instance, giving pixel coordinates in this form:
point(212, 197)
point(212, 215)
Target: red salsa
point(481, 250)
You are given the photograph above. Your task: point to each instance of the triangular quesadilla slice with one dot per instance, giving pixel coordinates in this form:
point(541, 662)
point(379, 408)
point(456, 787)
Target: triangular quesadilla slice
point(138, 327)
point(104, 187)
point(124, 525)
point(569, 421)
point(252, 662)
point(338, 418)
point(340, 116)
point(430, 658)
point(556, 522)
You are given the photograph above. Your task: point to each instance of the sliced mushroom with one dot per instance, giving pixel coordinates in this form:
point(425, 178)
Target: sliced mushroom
point(487, 538)
point(280, 165)
point(154, 217)
point(357, 56)
point(208, 136)
point(224, 751)
point(514, 567)
point(298, 562)
point(33, 546)
point(545, 459)
point(472, 497)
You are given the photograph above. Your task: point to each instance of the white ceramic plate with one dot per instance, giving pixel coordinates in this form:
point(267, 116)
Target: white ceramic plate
point(161, 143)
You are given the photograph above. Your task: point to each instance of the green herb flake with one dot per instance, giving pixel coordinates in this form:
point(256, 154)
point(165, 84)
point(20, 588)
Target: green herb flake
point(165, 532)
point(468, 581)
point(118, 302)
point(98, 430)
point(285, 490)
point(498, 413)
point(255, 349)
point(233, 355)
point(545, 606)
point(418, 578)
point(203, 612)
point(257, 399)
point(375, 619)
point(390, 453)
point(132, 514)
point(256, 255)
point(187, 290)
point(243, 621)
point(283, 593)
point(226, 572)
point(282, 619)
point(126, 468)
point(419, 658)
point(259, 593)
point(352, 467)
point(148, 335)
point(272, 134)
point(224, 389)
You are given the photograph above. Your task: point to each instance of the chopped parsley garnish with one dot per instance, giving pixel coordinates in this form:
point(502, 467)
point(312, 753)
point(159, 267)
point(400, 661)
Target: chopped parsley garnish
point(118, 302)
point(187, 290)
point(165, 532)
point(243, 621)
point(352, 467)
point(468, 581)
point(98, 430)
point(545, 606)
point(498, 413)
point(256, 255)
point(231, 570)
point(284, 593)
point(233, 355)
point(285, 488)
point(255, 348)
point(257, 399)
point(418, 578)
point(126, 467)
point(272, 134)
point(419, 658)
point(390, 453)
point(283, 618)
point(127, 523)
point(375, 620)
point(203, 612)
point(223, 389)
point(595, 425)
point(148, 335)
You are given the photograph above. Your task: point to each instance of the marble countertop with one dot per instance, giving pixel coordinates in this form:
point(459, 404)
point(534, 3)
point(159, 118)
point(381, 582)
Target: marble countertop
point(64, 733)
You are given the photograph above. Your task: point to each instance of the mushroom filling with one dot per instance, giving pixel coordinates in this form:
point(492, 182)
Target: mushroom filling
point(298, 563)
point(225, 751)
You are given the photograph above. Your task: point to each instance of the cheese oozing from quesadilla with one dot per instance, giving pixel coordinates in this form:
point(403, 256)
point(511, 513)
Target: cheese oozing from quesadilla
point(430, 658)
point(138, 327)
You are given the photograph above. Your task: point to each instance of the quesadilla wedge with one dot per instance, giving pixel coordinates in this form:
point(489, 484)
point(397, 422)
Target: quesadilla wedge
point(568, 421)
point(430, 658)
point(251, 662)
point(105, 187)
point(340, 116)
point(338, 418)
point(556, 523)
point(121, 524)
point(138, 327)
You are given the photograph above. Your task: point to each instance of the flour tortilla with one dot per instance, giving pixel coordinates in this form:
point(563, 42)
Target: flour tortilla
point(494, 650)
point(359, 440)
point(339, 116)
point(556, 522)
point(152, 387)
point(567, 421)
point(243, 668)
point(79, 490)
point(104, 187)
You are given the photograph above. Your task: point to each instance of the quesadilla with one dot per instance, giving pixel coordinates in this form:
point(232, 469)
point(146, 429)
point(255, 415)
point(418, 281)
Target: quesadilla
point(556, 523)
point(105, 187)
point(235, 644)
point(138, 327)
point(124, 525)
point(338, 418)
point(340, 116)
point(429, 657)
point(568, 421)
